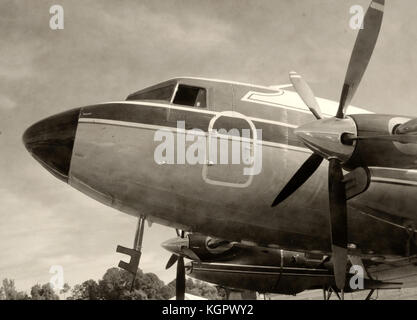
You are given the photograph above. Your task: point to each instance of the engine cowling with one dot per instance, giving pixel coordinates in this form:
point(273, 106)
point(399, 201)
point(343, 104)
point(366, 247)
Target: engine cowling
point(381, 152)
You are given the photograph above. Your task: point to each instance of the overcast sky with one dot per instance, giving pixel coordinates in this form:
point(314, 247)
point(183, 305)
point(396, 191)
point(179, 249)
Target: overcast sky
point(109, 49)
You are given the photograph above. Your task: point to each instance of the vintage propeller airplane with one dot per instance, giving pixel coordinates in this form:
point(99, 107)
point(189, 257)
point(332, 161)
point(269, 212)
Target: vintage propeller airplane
point(108, 151)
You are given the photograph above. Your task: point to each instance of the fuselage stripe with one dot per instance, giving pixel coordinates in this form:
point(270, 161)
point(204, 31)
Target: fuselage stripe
point(159, 127)
point(273, 132)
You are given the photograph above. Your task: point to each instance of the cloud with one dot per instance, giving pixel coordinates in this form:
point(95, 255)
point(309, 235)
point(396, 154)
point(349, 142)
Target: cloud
point(77, 233)
point(6, 102)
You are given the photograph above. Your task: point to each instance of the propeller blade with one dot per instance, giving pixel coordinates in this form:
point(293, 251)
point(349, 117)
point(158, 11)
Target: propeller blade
point(298, 179)
point(171, 261)
point(338, 221)
point(305, 93)
point(180, 280)
point(361, 54)
point(178, 233)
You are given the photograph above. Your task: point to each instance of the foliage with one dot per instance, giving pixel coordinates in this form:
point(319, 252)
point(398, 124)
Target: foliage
point(88, 290)
point(10, 292)
point(44, 292)
point(114, 285)
point(2, 295)
point(65, 289)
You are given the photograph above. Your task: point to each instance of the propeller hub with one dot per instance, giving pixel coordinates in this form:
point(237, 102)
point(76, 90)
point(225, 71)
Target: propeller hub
point(325, 137)
point(176, 245)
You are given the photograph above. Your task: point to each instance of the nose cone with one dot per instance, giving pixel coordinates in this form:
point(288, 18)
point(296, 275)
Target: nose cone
point(176, 245)
point(324, 137)
point(50, 141)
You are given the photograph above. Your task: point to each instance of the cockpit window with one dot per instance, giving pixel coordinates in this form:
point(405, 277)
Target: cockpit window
point(190, 96)
point(160, 94)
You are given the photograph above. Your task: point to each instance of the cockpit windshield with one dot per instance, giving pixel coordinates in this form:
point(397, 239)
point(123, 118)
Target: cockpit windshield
point(175, 93)
point(161, 93)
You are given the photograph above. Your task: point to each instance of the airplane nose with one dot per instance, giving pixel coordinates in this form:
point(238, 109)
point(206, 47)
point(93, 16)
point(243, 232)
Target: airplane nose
point(50, 142)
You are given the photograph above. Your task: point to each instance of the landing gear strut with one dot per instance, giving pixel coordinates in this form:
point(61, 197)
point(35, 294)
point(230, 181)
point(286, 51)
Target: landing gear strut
point(327, 293)
point(134, 253)
point(368, 297)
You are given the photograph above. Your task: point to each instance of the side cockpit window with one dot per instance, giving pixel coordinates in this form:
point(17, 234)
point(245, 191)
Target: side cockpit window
point(190, 96)
point(156, 94)
point(182, 94)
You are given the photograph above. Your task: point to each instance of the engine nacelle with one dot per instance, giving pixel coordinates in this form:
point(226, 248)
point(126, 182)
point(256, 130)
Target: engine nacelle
point(379, 152)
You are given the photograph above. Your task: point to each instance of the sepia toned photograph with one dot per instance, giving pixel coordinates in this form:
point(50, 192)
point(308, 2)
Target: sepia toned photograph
point(208, 150)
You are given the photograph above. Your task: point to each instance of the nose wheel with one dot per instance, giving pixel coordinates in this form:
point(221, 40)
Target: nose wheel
point(135, 253)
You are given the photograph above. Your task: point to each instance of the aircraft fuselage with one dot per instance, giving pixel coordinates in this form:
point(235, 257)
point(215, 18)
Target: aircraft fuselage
point(113, 160)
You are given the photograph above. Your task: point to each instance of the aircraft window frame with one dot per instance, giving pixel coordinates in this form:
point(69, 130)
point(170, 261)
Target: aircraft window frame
point(171, 86)
point(201, 95)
